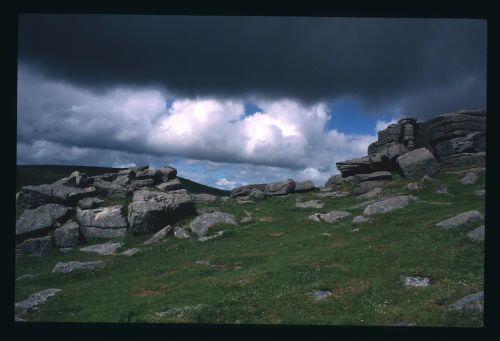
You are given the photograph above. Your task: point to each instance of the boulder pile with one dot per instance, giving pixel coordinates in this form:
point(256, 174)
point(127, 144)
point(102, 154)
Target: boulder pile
point(66, 213)
point(416, 149)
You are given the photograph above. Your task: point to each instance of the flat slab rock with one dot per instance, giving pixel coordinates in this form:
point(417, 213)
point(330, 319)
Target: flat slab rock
point(203, 222)
point(105, 249)
point(472, 301)
point(476, 235)
point(310, 204)
point(461, 219)
point(388, 204)
point(336, 194)
point(330, 217)
point(409, 281)
point(130, 252)
point(31, 303)
point(65, 267)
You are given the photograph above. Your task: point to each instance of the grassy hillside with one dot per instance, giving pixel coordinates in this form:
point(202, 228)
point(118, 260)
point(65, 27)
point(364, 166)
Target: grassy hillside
point(265, 271)
point(45, 174)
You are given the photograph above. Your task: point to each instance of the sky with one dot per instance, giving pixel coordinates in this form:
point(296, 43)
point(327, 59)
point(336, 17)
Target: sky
point(230, 101)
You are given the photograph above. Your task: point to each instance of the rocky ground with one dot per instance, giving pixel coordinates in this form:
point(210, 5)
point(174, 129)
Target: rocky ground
point(376, 250)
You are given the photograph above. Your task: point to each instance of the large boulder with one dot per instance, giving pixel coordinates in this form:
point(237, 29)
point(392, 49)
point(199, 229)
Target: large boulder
point(76, 179)
point(388, 204)
point(67, 235)
point(203, 222)
point(375, 176)
point(87, 203)
point(334, 182)
point(243, 191)
point(35, 196)
point(418, 163)
point(153, 174)
point(304, 186)
point(257, 194)
point(355, 166)
point(279, 188)
point(168, 173)
point(37, 246)
point(40, 220)
point(151, 210)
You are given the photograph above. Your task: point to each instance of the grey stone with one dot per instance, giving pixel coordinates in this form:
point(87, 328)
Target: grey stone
point(461, 219)
point(304, 186)
point(37, 246)
point(140, 184)
point(97, 232)
point(66, 249)
point(76, 179)
point(88, 203)
point(34, 196)
point(25, 276)
point(130, 252)
point(442, 190)
point(334, 182)
point(279, 188)
point(65, 267)
point(464, 159)
point(170, 185)
point(414, 186)
point(203, 262)
point(375, 176)
point(203, 198)
point(31, 303)
point(333, 195)
point(418, 163)
point(180, 233)
point(310, 204)
point(243, 202)
point(326, 189)
point(321, 294)
point(389, 204)
point(362, 165)
point(330, 217)
point(372, 194)
point(257, 194)
point(248, 218)
point(67, 235)
point(155, 175)
point(480, 192)
point(216, 235)
point(470, 302)
point(477, 234)
point(105, 249)
point(245, 190)
point(409, 281)
point(365, 187)
point(42, 219)
point(152, 210)
point(360, 219)
point(168, 173)
point(203, 222)
point(123, 180)
point(159, 235)
point(108, 188)
point(102, 217)
point(469, 178)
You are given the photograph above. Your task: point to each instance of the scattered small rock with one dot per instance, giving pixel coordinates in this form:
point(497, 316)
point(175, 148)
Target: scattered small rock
point(248, 218)
point(388, 204)
point(461, 219)
point(355, 230)
point(415, 186)
point(477, 234)
point(65, 267)
point(371, 194)
point(337, 194)
point(360, 219)
point(130, 252)
point(66, 249)
point(409, 281)
point(473, 302)
point(330, 217)
point(216, 235)
point(31, 303)
point(180, 233)
point(159, 235)
point(105, 249)
point(442, 190)
point(480, 192)
point(310, 204)
point(469, 178)
point(25, 276)
point(321, 294)
point(203, 262)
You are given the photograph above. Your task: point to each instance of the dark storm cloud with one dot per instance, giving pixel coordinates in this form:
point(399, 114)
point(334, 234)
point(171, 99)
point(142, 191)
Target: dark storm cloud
point(379, 61)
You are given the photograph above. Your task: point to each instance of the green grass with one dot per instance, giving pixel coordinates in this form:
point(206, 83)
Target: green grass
point(265, 271)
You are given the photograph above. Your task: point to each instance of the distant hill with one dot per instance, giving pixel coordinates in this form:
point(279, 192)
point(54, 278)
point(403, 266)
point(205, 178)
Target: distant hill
point(46, 174)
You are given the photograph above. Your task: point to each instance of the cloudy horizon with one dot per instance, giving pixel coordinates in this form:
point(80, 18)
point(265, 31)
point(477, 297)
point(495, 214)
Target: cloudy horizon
point(234, 100)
